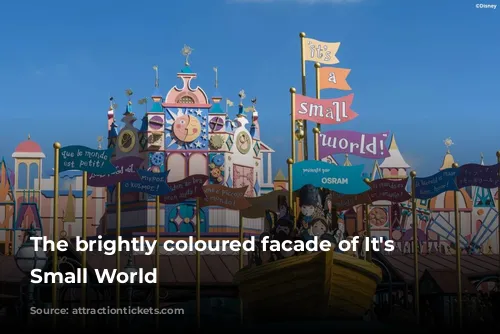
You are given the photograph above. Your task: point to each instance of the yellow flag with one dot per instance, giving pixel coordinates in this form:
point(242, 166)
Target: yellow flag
point(229, 102)
point(321, 52)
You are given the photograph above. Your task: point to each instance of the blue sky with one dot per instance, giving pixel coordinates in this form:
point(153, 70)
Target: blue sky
point(425, 70)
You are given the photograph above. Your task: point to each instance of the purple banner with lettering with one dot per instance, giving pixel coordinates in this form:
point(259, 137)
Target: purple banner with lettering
point(366, 145)
point(126, 170)
point(478, 175)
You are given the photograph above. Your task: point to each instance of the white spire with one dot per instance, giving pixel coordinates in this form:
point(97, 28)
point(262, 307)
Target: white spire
point(395, 160)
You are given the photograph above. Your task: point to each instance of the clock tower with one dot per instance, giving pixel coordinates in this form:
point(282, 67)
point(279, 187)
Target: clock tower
point(128, 139)
point(152, 137)
point(186, 143)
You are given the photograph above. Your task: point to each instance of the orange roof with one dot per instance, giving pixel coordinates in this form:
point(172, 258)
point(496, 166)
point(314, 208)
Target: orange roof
point(28, 146)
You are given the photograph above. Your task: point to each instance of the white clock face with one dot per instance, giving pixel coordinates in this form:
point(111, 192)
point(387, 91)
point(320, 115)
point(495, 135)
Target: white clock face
point(243, 142)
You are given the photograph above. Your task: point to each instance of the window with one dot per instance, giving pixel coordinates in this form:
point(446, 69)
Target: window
point(186, 100)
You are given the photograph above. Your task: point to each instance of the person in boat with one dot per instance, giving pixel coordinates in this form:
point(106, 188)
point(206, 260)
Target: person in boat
point(309, 200)
point(317, 228)
point(283, 208)
point(283, 231)
point(269, 220)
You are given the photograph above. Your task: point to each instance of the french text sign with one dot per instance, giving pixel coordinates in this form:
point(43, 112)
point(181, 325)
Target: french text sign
point(126, 169)
point(229, 198)
point(86, 159)
point(389, 190)
point(150, 183)
point(187, 188)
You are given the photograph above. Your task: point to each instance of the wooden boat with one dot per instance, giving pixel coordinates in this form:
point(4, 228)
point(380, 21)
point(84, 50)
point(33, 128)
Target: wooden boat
point(323, 284)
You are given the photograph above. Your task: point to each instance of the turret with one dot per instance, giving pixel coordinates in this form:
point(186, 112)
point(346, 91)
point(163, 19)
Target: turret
point(394, 166)
point(255, 127)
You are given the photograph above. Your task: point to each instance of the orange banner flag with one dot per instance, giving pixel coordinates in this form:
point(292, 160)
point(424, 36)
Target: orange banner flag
point(333, 77)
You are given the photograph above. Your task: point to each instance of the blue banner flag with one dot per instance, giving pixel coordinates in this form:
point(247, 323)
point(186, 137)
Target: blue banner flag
point(479, 175)
point(150, 183)
point(341, 179)
point(431, 186)
point(86, 159)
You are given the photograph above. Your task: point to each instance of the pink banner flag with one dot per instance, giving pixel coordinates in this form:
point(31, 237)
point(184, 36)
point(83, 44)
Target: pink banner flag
point(324, 111)
point(366, 145)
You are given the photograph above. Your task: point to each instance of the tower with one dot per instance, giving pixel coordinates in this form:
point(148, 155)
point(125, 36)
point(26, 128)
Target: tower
point(127, 143)
point(394, 166)
point(112, 127)
point(220, 137)
point(186, 144)
point(152, 132)
point(28, 157)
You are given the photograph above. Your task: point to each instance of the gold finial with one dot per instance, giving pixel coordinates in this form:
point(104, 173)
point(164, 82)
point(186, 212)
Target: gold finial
point(29, 136)
point(216, 70)
point(99, 141)
point(448, 142)
point(186, 52)
point(242, 96)
point(157, 77)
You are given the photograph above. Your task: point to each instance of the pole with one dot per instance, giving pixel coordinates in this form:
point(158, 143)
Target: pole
point(157, 261)
point(368, 226)
point(303, 69)
point(416, 286)
point(55, 227)
point(84, 236)
point(498, 212)
point(292, 123)
point(289, 161)
point(316, 132)
point(318, 89)
point(458, 254)
point(198, 265)
point(292, 159)
point(118, 253)
point(241, 231)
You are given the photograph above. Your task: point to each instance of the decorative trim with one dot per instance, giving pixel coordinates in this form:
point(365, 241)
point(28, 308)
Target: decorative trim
point(38, 155)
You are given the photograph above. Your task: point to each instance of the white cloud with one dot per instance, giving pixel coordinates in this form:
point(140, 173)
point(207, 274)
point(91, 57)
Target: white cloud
point(308, 2)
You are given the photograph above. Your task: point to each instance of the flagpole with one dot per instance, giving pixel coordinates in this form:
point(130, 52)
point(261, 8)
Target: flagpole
point(318, 88)
point(198, 266)
point(303, 69)
point(416, 285)
point(84, 236)
point(118, 216)
point(368, 227)
point(292, 159)
point(316, 132)
point(241, 231)
point(157, 260)
point(55, 227)
point(498, 213)
point(289, 161)
point(458, 254)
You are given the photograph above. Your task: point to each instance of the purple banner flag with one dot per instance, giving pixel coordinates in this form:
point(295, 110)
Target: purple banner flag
point(126, 170)
point(364, 145)
point(478, 175)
